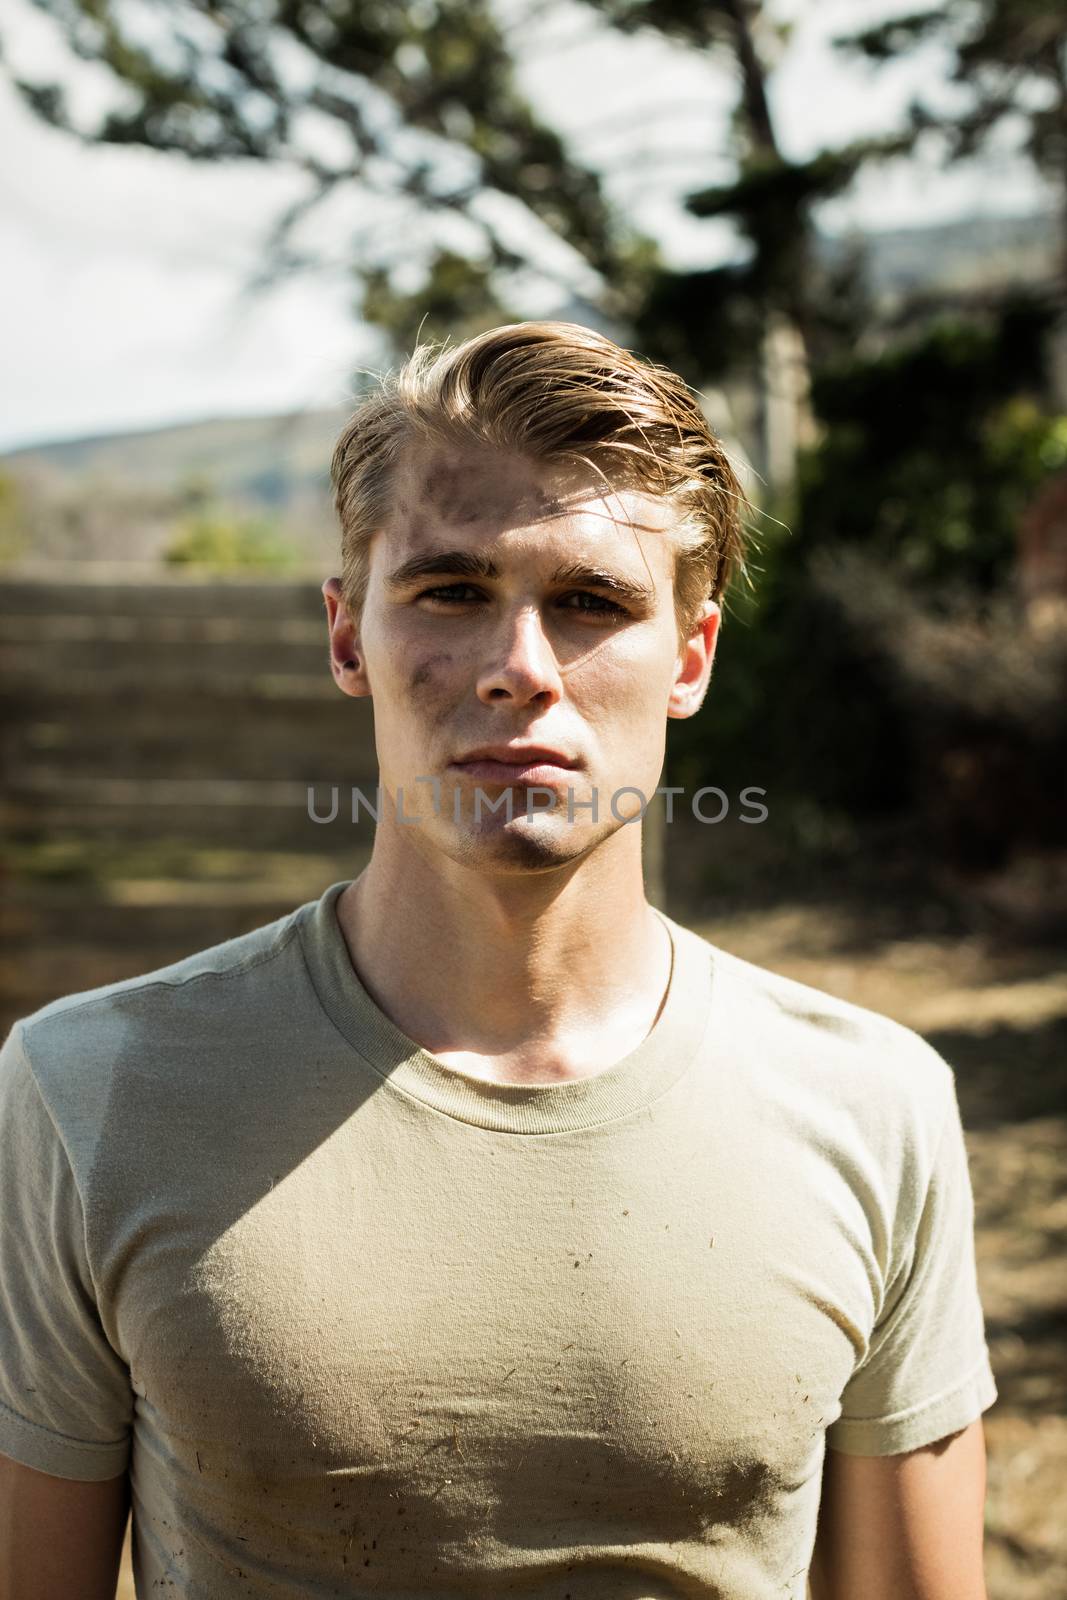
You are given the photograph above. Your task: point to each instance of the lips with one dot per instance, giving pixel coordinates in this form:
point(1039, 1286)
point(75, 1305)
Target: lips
point(532, 764)
point(510, 755)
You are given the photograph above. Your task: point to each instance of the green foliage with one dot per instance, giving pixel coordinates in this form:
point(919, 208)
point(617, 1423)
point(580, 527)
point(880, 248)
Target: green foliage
point(13, 531)
point(929, 454)
point(932, 450)
point(771, 200)
point(799, 704)
point(702, 323)
point(456, 300)
point(220, 541)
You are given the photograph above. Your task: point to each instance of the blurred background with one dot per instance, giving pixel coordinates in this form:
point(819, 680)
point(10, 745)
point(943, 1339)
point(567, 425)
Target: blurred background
point(845, 224)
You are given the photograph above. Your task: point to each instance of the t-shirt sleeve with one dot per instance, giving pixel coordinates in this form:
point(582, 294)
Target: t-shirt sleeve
point(926, 1372)
point(66, 1402)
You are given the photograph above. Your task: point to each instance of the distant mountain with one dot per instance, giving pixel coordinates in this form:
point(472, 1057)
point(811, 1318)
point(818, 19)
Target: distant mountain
point(977, 253)
point(132, 497)
point(267, 460)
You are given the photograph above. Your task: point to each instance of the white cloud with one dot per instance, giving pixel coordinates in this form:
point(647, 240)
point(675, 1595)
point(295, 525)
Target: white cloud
point(122, 279)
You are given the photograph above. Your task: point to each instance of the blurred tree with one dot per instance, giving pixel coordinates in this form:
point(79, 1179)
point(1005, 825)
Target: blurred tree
point(13, 528)
point(218, 540)
point(772, 197)
point(458, 298)
point(776, 312)
point(980, 693)
point(1010, 59)
point(414, 105)
point(932, 450)
point(930, 454)
point(418, 106)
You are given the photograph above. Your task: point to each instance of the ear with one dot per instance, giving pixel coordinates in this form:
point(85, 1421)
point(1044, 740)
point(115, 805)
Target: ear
point(346, 655)
point(694, 663)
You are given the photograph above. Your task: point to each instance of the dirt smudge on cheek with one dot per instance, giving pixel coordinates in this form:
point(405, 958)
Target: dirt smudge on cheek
point(426, 670)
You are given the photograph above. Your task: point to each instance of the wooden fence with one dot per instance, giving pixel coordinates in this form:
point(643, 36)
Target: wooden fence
point(159, 740)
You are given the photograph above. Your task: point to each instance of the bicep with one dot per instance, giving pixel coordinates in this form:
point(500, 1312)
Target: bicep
point(904, 1527)
point(60, 1536)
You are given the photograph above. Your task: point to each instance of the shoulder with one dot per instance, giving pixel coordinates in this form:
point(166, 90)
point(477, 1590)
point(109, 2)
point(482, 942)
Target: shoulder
point(802, 1047)
point(73, 1046)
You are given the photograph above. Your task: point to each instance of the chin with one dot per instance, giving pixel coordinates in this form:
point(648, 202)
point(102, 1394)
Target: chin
point(519, 846)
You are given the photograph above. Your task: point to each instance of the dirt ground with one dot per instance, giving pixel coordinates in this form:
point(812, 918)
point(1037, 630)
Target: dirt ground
point(994, 1003)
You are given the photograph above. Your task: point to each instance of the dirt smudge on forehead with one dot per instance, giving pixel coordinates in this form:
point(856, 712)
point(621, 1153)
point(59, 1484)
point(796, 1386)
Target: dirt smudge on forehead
point(476, 486)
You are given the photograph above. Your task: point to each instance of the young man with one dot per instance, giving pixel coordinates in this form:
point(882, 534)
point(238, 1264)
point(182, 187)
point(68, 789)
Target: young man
point(476, 1229)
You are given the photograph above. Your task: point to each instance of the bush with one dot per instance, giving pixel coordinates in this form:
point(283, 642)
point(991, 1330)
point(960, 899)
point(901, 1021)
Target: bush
point(222, 542)
point(13, 536)
point(865, 659)
point(799, 703)
point(983, 694)
point(931, 451)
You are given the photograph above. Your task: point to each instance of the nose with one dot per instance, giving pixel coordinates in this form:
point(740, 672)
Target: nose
point(524, 668)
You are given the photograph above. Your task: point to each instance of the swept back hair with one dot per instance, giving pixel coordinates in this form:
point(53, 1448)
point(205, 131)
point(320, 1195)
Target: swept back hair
point(562, 394)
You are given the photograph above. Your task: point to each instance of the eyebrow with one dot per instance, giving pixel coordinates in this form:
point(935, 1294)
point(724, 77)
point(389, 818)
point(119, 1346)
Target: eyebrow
point(475, 564)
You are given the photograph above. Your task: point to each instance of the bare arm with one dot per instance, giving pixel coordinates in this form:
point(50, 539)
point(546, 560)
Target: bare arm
point(59, 1537)
point(903, 1527)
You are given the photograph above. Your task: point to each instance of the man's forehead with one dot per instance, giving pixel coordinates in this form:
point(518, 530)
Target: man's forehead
point(487, 491)
point(464, 486)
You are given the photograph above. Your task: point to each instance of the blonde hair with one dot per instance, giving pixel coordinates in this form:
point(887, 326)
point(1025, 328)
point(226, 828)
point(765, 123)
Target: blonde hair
point(562, 394)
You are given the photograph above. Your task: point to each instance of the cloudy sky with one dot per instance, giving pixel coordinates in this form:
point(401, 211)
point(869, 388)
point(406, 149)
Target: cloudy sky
point(123, 269)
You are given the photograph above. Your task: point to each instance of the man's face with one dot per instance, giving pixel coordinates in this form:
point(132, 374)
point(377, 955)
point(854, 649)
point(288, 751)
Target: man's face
point(510, 604)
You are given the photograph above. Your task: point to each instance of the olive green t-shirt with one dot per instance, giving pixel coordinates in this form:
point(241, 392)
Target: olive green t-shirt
point(360, 1324)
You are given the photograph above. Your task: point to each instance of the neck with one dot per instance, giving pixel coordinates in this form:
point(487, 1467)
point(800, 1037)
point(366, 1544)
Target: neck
point(550, 974)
